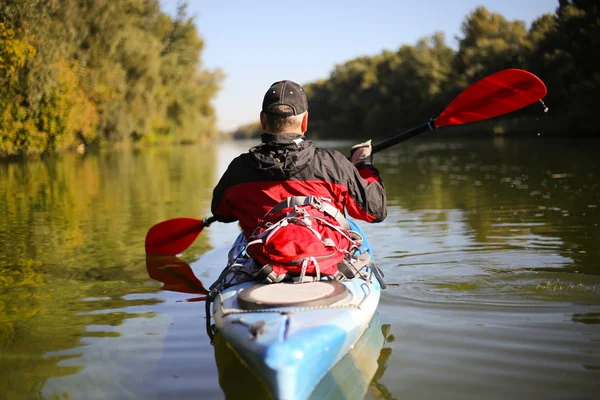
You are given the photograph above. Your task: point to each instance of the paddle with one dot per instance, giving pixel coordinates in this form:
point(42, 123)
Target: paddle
point(173, 236)
point(494, 95)
point(497, 94)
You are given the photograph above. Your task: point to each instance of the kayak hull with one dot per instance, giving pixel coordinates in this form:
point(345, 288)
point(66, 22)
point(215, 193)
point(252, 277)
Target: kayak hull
point(350, 378)
point(292, 348)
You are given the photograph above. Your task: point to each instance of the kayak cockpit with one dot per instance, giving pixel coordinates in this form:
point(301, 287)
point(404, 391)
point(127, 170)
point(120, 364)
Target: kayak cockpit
point(311, 294)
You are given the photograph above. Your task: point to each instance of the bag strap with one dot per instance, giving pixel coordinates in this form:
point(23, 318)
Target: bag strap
point(318, 202)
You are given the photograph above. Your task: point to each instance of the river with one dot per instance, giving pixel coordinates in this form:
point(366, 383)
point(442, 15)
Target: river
point(490, 250)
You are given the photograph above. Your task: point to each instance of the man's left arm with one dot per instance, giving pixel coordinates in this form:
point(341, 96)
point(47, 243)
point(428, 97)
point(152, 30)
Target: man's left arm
point(220, 204)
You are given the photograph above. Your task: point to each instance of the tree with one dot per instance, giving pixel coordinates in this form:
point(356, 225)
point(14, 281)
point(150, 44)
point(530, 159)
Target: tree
point(99, 71)
point(490, 43)
point(563, 56)
point(375, 95)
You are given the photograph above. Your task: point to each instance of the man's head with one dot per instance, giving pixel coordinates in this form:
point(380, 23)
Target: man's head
point(284, 108)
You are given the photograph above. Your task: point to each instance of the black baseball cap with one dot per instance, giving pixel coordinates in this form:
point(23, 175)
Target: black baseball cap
point(285, 93)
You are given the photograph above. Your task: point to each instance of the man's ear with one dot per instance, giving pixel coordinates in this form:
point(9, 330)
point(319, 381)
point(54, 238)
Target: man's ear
point(305, 122)
point(263, 121)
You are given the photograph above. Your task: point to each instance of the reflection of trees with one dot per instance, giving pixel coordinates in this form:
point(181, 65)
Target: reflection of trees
point(587, 318)
point(376, 388)
point(591, 318)
point(43, 314)
point(68, 210)
point(503, 191)
point(71, 232)
point(236, 379)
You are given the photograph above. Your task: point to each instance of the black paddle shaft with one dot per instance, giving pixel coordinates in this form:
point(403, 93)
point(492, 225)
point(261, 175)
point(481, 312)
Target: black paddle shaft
point(429, 126)
point(209, 220)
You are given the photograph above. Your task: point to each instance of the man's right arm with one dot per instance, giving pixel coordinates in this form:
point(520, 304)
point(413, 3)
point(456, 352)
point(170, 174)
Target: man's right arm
point(366, 194)
point(365, 191)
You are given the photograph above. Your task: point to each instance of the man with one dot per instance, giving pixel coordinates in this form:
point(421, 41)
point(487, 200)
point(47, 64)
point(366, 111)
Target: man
point(286, 164)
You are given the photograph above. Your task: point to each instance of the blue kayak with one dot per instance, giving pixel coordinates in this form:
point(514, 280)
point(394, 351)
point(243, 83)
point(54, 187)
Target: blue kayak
point(293, 334)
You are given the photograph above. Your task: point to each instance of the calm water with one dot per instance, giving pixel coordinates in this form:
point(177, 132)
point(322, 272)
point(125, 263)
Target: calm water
point(490, 249)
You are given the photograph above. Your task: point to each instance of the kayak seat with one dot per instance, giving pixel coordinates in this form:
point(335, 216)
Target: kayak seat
point(275, 295)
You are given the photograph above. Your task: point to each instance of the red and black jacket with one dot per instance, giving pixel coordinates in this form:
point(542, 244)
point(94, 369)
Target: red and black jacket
point(287, 165)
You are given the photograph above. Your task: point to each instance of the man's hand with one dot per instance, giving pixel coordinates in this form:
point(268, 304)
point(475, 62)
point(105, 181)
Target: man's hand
point(361, 153)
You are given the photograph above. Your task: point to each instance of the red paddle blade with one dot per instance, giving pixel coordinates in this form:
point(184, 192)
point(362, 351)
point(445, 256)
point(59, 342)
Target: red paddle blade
point(173, 236)
point(497, 94)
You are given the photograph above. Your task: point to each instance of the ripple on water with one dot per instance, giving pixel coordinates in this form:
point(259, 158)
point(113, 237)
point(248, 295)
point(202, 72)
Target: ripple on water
point(527, 267)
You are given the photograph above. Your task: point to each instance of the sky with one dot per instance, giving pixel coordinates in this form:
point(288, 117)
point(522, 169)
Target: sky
point(256, 43)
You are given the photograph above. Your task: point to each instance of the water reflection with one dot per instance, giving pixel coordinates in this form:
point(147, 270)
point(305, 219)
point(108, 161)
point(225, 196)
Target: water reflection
point(588, 318)
point(72, 276)
point(378, 390)
point(490, 248)
point(359, 371)
point(176, 275)
point(47, 322)
point(487, 216)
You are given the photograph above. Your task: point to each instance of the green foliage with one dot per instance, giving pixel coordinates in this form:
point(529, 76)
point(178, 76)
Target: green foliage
point(371, 96)
point(365, 95)
point(248, 131)
point(91, 72)
point(14, 54)
point(564, 57)
point(490, 43)
point(63, 115)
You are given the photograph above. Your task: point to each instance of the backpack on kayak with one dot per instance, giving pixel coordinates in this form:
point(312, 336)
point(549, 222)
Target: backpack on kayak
point(302, 236)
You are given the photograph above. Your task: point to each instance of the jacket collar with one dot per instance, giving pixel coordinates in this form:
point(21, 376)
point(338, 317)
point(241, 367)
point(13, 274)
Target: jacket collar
point(282, 138)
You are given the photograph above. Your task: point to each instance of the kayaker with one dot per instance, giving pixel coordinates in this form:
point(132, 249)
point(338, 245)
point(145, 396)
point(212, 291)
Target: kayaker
point(287, 164)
